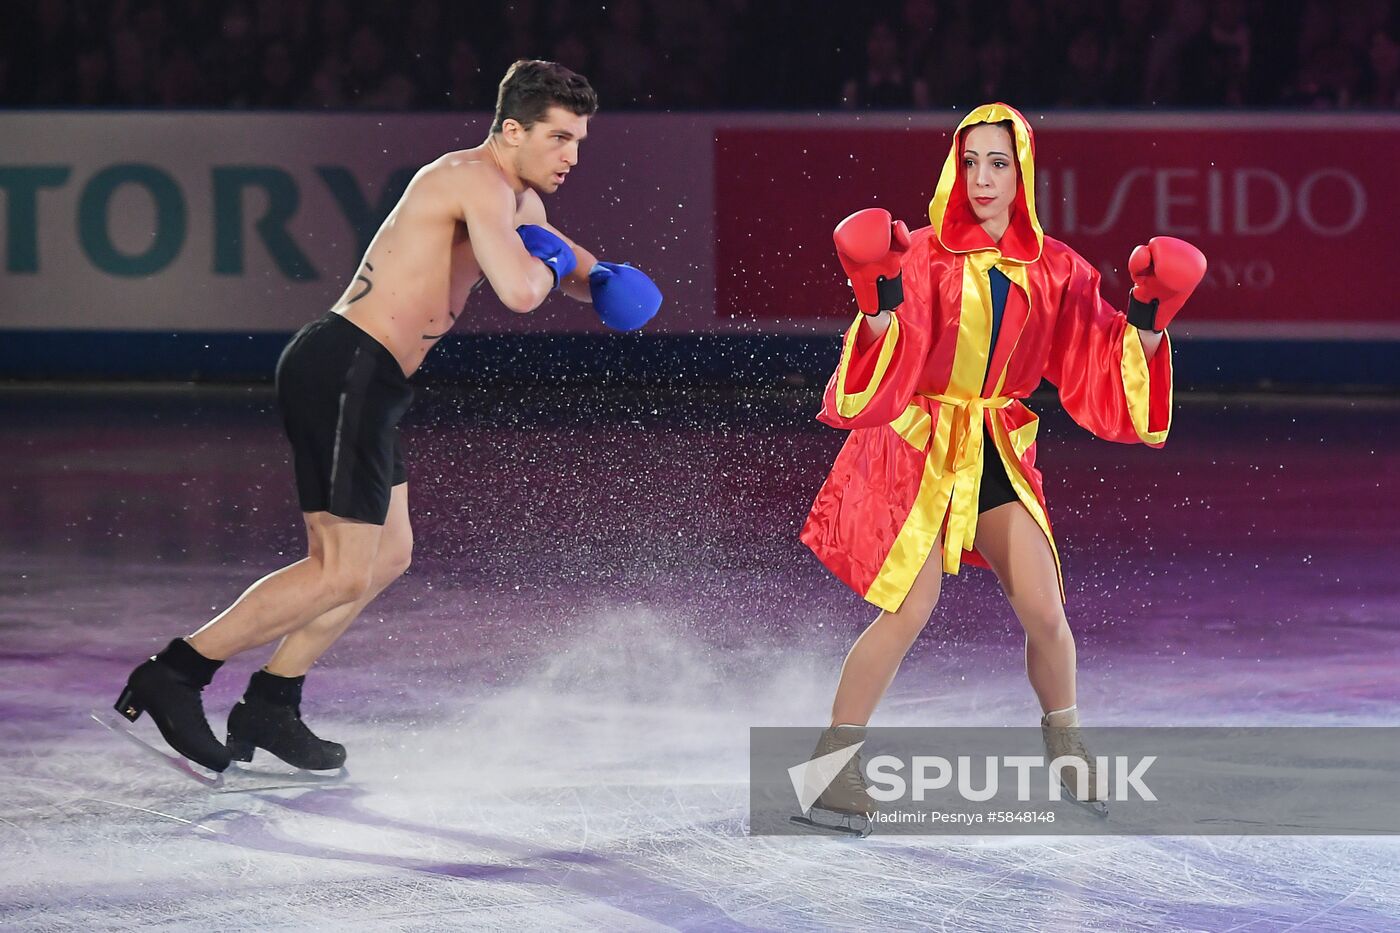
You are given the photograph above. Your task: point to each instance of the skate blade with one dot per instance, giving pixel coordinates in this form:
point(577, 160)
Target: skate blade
point(862, 828)
point(211, 780)
point(1098, 808)
point(242, 779)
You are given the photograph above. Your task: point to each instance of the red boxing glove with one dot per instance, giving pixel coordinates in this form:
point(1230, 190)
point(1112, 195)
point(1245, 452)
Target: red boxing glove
point(1165, 272)
point(870, 246)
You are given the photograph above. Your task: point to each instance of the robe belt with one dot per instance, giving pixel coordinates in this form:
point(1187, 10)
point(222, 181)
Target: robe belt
point(962, 459)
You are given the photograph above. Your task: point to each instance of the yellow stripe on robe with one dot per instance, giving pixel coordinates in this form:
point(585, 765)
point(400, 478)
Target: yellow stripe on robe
point(849, 405)
point(1137, 387)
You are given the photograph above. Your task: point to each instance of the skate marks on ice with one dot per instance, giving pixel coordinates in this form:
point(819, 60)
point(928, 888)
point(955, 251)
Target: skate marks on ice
point(348, 855)
point(580, 880)
point(240, 778)
point(208, 779)
point(314, 857)
point(604, 787)
point(567, 784)
point(623, 750)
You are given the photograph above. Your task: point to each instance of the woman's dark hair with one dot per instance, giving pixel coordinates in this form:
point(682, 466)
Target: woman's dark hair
point(531, 87)
point(1008, 125)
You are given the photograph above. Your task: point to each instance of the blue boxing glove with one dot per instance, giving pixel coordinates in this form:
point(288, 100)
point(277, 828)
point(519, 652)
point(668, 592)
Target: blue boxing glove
point(547, 246)
point(623, 296)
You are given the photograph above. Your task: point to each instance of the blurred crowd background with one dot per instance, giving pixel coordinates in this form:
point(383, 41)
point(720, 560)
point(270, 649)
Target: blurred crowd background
point(704, 54)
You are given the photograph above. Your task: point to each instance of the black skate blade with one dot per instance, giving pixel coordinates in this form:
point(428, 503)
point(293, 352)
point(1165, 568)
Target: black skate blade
point(211, 780)
point(842, 828)
point(242, 779)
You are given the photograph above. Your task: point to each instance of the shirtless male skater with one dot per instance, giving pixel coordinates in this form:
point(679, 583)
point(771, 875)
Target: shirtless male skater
point(342, 386)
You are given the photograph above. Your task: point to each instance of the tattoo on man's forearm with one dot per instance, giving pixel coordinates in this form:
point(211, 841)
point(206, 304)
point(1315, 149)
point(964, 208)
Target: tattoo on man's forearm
point(369, 286)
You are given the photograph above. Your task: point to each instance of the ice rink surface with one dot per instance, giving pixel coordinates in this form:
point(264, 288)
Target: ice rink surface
point(547, 717)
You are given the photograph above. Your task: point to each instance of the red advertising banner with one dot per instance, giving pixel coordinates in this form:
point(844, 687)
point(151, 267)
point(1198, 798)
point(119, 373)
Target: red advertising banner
point(1299, 224)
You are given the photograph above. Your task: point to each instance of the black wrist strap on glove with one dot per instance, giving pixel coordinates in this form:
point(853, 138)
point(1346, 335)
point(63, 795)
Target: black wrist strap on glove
point(889, 293)
point(1143, 315)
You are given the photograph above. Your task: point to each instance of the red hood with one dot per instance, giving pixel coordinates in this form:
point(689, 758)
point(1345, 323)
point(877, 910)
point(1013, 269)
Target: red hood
point(951, 214)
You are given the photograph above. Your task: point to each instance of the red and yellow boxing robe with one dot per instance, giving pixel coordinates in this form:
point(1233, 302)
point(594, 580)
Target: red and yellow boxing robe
point(915, 399)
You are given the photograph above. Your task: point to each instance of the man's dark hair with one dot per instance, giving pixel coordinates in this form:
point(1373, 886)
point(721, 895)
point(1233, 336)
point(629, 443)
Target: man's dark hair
point(531, 87)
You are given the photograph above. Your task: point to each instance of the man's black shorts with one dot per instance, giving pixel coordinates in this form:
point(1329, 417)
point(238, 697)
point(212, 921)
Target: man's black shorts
point(341, 394)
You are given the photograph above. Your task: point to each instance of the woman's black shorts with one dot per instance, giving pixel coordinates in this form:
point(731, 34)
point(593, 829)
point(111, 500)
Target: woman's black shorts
point(341, 394)
point(996, 485)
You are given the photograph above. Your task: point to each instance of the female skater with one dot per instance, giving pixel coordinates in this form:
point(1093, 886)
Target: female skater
point(960, 321)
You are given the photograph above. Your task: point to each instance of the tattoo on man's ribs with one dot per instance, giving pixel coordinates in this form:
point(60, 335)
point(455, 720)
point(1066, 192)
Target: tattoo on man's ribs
point(456, 314)
point(369, 286)
point(452, 314)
